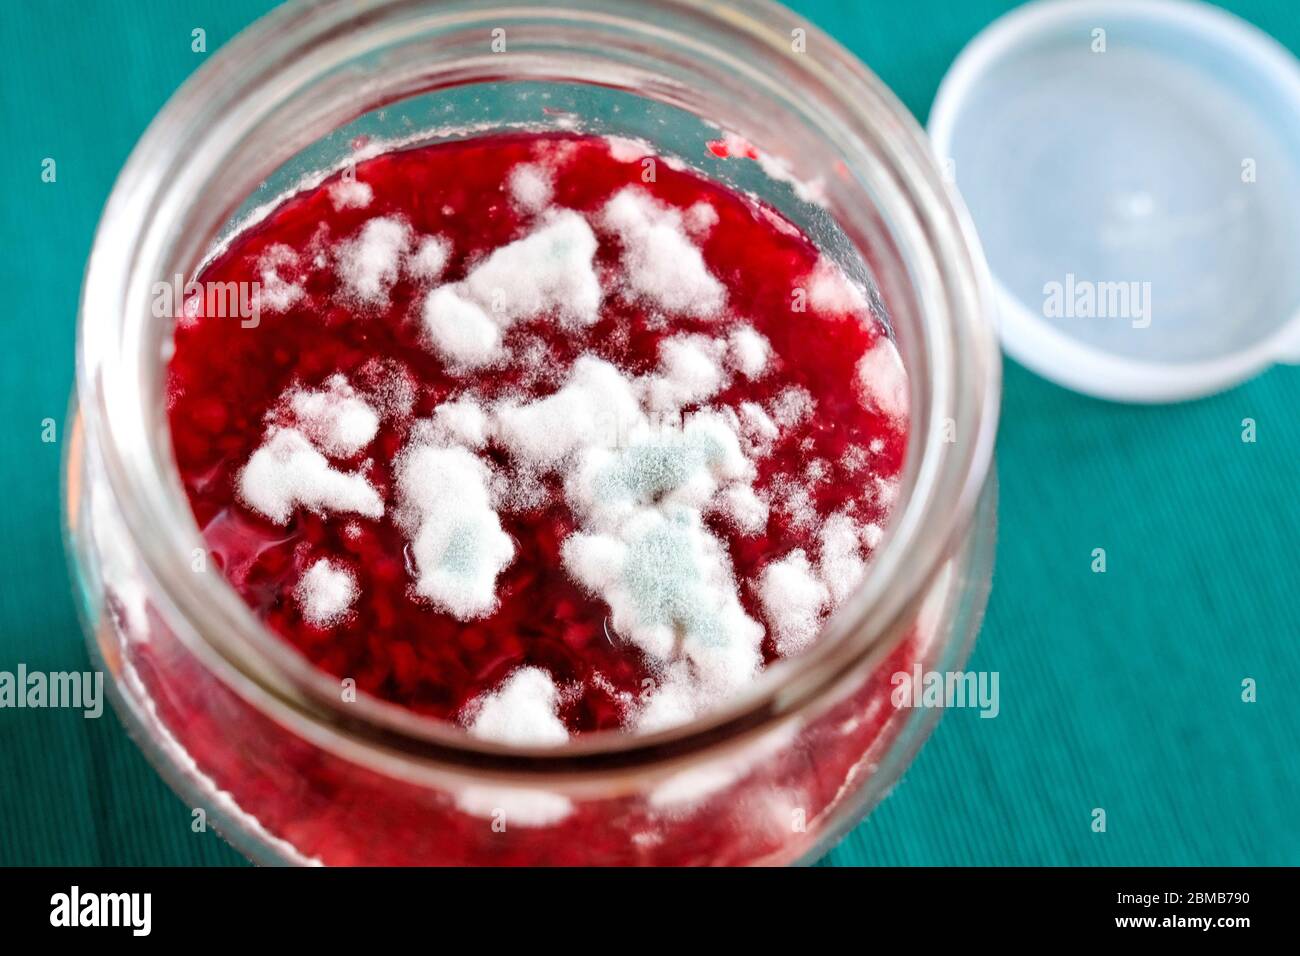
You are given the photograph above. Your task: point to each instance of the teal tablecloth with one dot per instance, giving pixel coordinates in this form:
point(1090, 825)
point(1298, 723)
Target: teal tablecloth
point(1120, 691)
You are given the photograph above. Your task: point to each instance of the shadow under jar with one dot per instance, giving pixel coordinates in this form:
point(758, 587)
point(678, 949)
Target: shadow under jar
point(243, 726)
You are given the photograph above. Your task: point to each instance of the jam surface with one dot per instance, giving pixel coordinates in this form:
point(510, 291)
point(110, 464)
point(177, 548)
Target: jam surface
point(827, 446)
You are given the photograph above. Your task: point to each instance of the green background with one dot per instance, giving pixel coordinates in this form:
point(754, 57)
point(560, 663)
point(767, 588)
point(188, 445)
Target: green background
point(1119, 690)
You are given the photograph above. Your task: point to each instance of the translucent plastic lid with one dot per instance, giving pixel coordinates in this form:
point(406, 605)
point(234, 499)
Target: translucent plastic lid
point(1133, 172)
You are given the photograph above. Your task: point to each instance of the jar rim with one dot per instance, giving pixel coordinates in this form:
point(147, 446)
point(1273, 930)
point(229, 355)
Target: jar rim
point(942, 479)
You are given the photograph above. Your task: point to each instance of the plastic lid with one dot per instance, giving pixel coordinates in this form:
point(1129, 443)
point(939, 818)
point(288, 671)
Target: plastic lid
point(1133, 172)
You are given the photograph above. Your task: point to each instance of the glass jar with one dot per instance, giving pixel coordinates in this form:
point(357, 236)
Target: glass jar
point(242, 726)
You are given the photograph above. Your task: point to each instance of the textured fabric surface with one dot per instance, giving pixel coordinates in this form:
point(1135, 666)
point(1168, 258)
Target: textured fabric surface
point(1119, 690)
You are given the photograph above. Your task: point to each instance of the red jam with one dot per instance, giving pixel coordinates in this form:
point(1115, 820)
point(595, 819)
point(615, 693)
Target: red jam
point(227, 381)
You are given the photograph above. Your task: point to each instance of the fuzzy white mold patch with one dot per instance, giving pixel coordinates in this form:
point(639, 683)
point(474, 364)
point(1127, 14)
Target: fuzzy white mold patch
point(594, 408)
point(522, 711)
point(460, 330)
point(671, 592)
point(660, 263)
point(747, 512)
point(793, 599)
point(758, 432)
point(276, 293)
point(551, 270)
point(796, 597)
point(287, 472)
point(675, 699)
point(624, 149)
point(515, 806)
point(368, 264)
point(700, 218)
point(457, 542)
point(639, 491)
point(690, 371)
point(389, 387)
point(351, 194)
point(532, 187)
point(672, 466)
point(460, 422)
point(645, 550)
point(830, 290)
point(842, 565)
point(748, 352)
point(882, 380)
point(334, 417)
point(326, 593)
point(793, 499)
point(854, 459)
point(792, 406)
point(430, 258)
